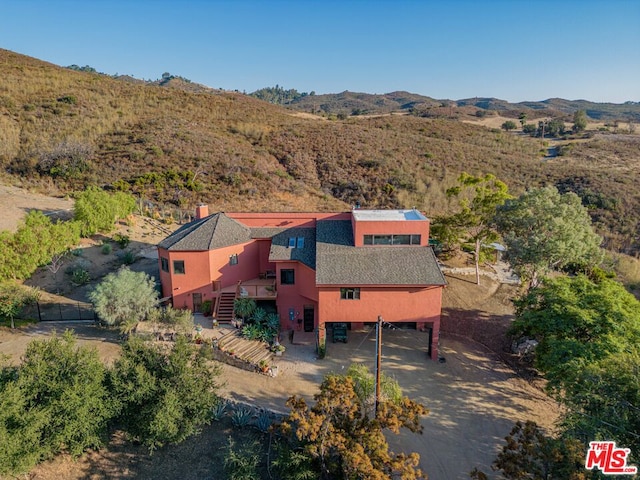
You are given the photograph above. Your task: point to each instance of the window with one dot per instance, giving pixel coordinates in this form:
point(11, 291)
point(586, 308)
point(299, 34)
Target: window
point(292, 242)
point(233, 259)
point(391, 239)
point(164, 264)
point(287, 277)
point(178, 267)
point(350, 293)
point(300, 243)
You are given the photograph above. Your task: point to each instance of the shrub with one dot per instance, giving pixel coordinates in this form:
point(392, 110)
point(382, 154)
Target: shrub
point(123, 296)
point(166, 397)
point(79, 276)
point(127, 257)
point(242, 463)
point(106, 249)
point(122, 240)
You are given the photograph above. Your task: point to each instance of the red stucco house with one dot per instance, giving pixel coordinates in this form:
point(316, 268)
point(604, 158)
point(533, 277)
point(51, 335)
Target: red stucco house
point(311, 268)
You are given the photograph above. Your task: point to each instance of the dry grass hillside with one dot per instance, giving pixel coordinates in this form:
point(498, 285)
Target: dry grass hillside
point(61, 130)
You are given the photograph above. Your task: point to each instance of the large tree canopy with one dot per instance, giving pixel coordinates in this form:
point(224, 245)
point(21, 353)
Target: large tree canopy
point(545, 230)
point(55, 401)
point(164, 398)
point(344, 441)
point(589, 350)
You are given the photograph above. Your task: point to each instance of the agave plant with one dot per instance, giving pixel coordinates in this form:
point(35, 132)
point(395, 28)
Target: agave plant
point(241, 417)
point(219, 409)
point(263, 422)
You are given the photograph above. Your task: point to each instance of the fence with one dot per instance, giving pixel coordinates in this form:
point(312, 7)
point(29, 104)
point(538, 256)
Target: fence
point(56, 312)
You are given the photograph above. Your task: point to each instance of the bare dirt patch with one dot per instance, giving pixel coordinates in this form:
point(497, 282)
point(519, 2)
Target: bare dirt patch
point(16, 203)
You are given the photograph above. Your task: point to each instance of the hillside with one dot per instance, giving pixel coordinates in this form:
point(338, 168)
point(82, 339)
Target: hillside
point(62, 129)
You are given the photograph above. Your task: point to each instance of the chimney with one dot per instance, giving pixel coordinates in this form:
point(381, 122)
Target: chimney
point(202, 210)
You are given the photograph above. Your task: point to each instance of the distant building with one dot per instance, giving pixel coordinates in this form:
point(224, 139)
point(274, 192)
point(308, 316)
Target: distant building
point(311, 268)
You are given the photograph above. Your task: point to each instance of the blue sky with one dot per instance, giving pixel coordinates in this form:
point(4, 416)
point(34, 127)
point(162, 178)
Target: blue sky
point(511, 49)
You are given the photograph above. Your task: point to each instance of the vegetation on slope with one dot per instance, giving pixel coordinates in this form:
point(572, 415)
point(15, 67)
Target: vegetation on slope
point(62, 130)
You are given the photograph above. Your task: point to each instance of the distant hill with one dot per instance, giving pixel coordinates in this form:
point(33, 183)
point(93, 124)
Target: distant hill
point(172, 142)
point(352, 103)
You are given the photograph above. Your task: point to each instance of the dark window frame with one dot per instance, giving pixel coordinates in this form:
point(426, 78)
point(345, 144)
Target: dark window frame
point(350, 293)
point(164, 264)
point(390, 239)
point(287, 276)
point(179, 271)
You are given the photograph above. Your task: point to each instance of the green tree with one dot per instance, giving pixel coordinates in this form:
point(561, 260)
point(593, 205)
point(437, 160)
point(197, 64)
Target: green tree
point(124, 296)
point(530, 454)
point(555, 127)
point(509, 125)
point(98, 211)
point(523, 119)
point(13, 297)
point(55, 401)
point(589, 350)
point(545, 230)
point(479, 197)
point(529, 129)
point(344, 441)
point(163, 397)
point(579, 121)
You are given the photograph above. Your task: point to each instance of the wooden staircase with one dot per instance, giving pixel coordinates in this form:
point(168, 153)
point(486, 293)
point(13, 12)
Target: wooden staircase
point(226, 307)
point(252, 351)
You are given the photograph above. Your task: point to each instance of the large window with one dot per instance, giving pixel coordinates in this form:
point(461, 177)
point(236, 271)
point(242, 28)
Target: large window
point(287, 276)
point(392, 239)
point(178, 267)
point(164, 264)
point(350, 293)
point(233, 259)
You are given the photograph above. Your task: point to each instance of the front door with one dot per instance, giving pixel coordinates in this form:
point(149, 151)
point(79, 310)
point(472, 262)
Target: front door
point(309, 319)
point(197, 302)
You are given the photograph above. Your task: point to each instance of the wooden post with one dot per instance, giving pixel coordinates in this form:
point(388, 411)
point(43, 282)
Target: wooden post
point(378, 361)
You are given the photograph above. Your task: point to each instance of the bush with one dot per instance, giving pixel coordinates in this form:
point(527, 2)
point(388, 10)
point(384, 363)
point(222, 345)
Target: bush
point(106, 249)
point(79, 276)
point(123, 296)
point(98, 211)
point(242, 463)
point(122, 240)
point(55, 401)
point(166, 397)
point(127, 257)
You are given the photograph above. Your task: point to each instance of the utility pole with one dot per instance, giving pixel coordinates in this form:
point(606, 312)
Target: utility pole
point(378, 361)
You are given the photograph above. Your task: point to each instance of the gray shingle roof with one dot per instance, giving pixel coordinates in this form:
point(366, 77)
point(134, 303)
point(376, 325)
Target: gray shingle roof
point(280, 249)
point(340, 263)
point(214, 231)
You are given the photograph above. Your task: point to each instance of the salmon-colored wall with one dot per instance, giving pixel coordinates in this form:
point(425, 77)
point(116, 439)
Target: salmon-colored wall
point(264, 246)
point(203, 268)
point(407, 227)
point(197, 277)
point(248, 265)
point(420, 305)
point(302, 292)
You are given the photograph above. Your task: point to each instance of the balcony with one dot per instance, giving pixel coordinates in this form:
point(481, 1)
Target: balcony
point(258, 289)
